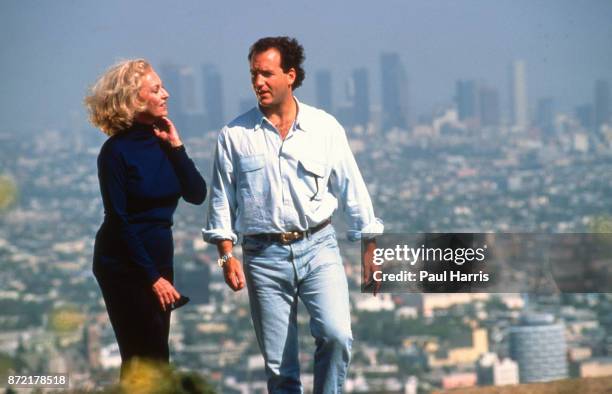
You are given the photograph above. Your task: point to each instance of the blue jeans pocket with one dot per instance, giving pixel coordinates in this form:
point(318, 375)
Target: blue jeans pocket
point(253, 246)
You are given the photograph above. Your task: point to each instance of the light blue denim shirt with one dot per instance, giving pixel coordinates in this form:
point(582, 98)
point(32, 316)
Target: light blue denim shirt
point(264, 184)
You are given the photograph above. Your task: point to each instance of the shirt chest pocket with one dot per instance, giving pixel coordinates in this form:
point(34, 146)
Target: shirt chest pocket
point(312, 173)
point(251, 179)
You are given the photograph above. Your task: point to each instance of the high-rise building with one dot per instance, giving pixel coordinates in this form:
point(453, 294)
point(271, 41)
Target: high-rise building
point(361, 97)
point(212, 93)
point(188, 98)
point(518, 100)
point(192, 121)
point(395, 110)
point(545, 116)
point(467, 99)
point(323, 90)
point(602, 103)
point(538, 345)
point(489, 106)
point(586, 116)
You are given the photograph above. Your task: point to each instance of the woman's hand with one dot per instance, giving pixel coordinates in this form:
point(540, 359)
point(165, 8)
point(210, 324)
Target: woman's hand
point(165, 292)
point(165, 130)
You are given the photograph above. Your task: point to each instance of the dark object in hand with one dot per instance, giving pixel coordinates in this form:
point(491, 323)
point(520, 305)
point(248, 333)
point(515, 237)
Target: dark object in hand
point(181, 301)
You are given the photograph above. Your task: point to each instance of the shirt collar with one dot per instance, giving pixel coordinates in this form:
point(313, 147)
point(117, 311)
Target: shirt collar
point(301, 121)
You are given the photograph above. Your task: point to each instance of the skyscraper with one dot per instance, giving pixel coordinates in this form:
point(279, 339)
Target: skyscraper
point(586, 116)
point(192, 119)
point(602, 103)
point(394, 92)
point(467, 100)
point(212, 93)
point(323, 90)
point(361, 97)
point(489, 106)
point(518, 100)
point(345, 109)
point(188, 98)
point(545, 115)
point(538, 345)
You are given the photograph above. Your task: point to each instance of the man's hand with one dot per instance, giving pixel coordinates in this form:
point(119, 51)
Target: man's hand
point(232, 269)
point(368, 266)
point(233, 273)
point(165, 292)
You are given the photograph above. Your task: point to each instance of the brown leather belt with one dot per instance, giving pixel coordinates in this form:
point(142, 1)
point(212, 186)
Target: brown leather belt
point(291, 236)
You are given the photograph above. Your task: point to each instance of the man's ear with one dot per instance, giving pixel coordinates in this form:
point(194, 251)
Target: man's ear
point(291, 76)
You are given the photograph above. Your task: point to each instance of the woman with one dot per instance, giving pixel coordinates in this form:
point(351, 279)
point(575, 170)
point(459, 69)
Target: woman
point(143, 170)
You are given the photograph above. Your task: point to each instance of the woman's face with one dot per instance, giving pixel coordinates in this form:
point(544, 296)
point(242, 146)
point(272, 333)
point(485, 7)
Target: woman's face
point(154, 95)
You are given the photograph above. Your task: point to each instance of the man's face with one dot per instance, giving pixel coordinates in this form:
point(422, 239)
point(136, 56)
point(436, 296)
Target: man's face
point(270, 83)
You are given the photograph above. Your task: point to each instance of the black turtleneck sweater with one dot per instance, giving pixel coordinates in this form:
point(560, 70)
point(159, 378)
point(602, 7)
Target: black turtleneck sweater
point(141, 181)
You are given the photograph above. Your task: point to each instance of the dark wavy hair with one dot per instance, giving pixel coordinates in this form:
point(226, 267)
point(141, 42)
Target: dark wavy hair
point(292, 55)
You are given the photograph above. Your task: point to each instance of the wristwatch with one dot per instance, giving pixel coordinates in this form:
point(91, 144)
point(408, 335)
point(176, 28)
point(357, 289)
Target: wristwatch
point(221, 262)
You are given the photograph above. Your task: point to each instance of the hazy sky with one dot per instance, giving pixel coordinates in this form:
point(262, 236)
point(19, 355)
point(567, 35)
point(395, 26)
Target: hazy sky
point(52, 50)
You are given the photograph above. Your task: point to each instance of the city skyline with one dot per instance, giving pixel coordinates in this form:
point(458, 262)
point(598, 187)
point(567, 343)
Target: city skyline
point(563, 44)
point(444, 67)
point(476, 101)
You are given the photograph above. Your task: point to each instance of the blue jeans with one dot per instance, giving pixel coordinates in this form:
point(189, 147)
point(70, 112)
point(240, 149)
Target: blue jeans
point(276, 276)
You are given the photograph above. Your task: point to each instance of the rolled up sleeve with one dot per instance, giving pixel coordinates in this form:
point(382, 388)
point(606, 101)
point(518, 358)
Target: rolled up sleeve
point(222, 204)
point(347, 185)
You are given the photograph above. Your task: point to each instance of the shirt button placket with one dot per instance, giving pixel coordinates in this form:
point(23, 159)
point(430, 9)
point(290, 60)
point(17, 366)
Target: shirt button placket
point(283, 177)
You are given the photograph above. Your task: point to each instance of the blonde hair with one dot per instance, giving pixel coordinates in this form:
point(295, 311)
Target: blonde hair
point(113, 100)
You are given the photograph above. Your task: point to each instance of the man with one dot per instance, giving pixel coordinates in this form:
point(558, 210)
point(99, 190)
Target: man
point(280, 171)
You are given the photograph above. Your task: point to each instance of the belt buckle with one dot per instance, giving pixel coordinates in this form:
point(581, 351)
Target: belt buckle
point(287, 238)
